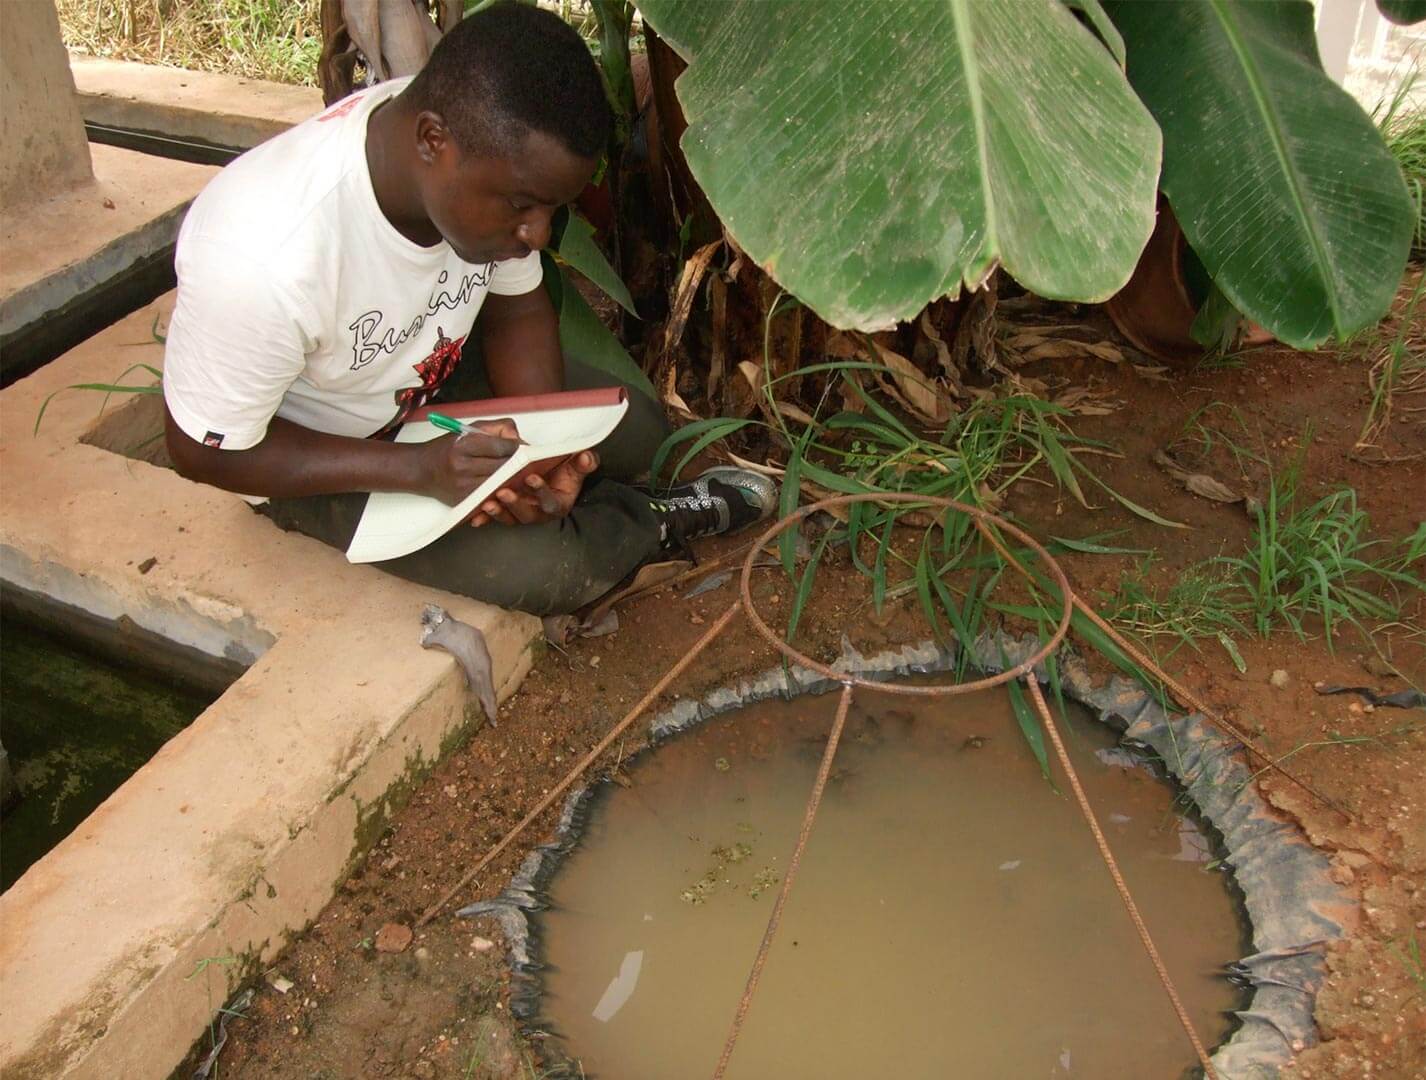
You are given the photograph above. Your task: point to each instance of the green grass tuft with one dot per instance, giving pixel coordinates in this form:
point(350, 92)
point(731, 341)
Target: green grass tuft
point(1316, 562)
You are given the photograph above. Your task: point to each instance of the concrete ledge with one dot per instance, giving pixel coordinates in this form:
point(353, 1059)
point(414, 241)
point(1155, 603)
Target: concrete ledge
point(233, 837)
point(222, 110)
point(60, 248)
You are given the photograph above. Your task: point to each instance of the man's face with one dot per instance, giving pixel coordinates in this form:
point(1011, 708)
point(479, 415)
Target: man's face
point(500, 208)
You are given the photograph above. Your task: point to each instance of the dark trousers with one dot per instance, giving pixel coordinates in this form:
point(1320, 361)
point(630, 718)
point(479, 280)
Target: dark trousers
point(548, 569)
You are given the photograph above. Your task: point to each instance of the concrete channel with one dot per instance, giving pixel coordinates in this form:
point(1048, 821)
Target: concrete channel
point(117, 947)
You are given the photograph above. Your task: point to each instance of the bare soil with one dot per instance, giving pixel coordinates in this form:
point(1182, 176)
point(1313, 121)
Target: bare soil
point(437, 1009)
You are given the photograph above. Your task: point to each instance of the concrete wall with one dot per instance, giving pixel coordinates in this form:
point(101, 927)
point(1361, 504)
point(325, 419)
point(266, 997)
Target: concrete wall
point(233, 837)
point(42, 143)
point(1367, 55)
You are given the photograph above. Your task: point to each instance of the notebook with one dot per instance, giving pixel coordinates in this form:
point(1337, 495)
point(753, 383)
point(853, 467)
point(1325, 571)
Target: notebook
point(554, 427)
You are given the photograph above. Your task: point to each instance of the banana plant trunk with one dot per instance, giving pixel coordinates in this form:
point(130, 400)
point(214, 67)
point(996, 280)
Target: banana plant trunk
point(1157, 308)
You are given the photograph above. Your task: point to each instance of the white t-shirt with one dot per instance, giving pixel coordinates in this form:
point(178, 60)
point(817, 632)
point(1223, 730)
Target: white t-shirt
point(297, 298)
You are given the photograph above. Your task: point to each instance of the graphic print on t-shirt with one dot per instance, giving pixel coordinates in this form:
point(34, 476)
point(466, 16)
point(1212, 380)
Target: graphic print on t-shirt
point(338, 111)
point(370, 340)
point(434, 370)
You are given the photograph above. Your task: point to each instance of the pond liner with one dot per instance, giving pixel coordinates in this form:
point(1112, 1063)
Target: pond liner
point(1294, 908)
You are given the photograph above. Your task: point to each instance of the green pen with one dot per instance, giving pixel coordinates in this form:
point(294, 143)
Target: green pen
point(459, 427)
point(451, 424)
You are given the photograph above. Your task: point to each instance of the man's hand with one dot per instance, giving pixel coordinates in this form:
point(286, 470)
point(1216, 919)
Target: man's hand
point(458, 464)
point(546, 498)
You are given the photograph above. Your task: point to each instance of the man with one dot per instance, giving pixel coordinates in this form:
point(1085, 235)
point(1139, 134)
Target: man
point(328, 284)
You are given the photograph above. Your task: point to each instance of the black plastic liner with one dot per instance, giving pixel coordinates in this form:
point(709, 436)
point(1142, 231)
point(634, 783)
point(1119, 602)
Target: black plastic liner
point(1294, 907)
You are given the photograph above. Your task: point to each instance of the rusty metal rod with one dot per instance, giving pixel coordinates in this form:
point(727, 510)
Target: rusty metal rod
point(775, 918)
point(588, 760)
point(1033, 685)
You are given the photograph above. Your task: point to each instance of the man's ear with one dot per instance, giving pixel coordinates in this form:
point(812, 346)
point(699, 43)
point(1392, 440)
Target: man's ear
point(432, 137)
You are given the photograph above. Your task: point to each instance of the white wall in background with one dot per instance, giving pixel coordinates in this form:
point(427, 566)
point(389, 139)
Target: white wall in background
point(1368, 55)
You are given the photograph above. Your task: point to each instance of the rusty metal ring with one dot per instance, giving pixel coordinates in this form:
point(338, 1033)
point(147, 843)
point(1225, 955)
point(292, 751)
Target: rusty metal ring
point(981, 519)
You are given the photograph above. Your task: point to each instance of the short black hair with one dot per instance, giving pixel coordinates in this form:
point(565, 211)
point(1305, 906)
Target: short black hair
point(510, 69)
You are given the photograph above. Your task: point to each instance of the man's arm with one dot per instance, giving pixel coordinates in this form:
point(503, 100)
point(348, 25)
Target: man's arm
point(521, 343)
point(293, 461)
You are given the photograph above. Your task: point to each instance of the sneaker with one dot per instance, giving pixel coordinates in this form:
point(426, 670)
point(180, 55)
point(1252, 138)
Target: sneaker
point(721, 500)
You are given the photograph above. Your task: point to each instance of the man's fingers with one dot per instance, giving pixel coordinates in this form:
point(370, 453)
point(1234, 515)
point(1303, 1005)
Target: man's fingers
point(586, 461)
point(480, 445)
point(503, 428)
point(520, 507)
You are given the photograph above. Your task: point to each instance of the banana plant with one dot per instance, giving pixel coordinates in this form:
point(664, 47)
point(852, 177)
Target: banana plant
point(1280, 181)
point(875, 157)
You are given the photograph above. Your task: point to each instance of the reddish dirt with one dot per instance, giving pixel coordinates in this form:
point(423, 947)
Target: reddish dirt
point(437, 1008)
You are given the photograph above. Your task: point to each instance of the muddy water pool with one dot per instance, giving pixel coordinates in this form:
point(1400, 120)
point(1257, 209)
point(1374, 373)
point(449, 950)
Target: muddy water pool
point(951, 916)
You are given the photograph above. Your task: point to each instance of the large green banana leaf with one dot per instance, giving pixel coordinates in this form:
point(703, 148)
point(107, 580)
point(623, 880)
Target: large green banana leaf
point(874, 156)
point(1281, 182)
point(583, 337)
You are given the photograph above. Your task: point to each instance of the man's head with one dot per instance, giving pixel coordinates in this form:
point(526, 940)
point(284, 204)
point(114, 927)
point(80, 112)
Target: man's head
point(510, 121)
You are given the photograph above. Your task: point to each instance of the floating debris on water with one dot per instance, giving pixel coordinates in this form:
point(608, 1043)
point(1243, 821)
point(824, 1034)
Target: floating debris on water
point(763, 880)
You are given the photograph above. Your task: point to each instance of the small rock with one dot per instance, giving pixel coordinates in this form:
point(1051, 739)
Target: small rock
point(147, 565)
point(1279, 678)
point(422, 955)
point(565, 697)
point(480, 944)
point(1355, 859)
point(294, 1030)
point(594, 661)
point(108, 204)
point(278, 982)
point(393, 938)
point(1375, 665)
point(1342, 875)
point(424, 1069)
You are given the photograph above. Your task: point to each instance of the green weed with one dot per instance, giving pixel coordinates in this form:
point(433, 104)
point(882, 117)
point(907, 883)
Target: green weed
point(976, 457)
point(1219, 425)
point(1200, 602)
point(118, 386)
point(1303, 563)
point(1404, 130)
point(1398, 366)
point(1316, 562)
point(1410, 955)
